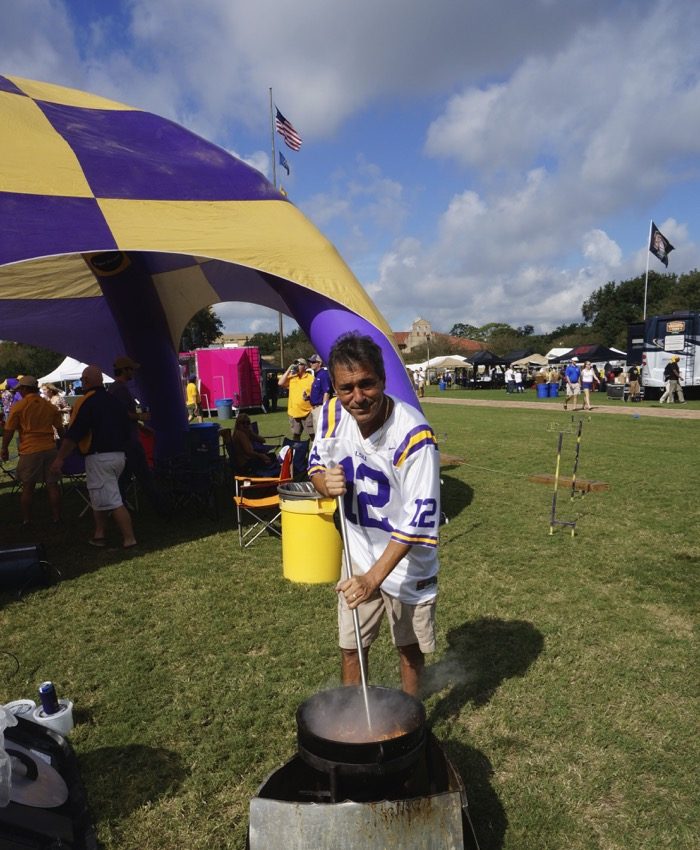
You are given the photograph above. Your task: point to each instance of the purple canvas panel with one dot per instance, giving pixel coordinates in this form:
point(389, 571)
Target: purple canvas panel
point(323, 321)
point(160, 262)
point(239, 283)
point(42, 225)
point(139, 155)
point(8, 85)
point(76, 327)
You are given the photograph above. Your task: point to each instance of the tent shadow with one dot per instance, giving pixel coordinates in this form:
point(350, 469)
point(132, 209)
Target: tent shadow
point(139, 773)
point(66, 545)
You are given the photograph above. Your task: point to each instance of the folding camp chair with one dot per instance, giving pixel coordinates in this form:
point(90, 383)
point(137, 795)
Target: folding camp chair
point(258, 494)
point(189, 484)
point(10, 473)
point(74, 481)
point(300, 448)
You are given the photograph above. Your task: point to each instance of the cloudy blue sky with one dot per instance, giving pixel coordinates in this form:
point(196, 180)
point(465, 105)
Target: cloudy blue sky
point(472, 160)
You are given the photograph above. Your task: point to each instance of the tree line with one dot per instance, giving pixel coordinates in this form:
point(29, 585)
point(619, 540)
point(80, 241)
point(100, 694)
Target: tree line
point(606, 314)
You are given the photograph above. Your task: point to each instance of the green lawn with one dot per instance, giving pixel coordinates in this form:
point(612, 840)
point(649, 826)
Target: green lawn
point(597, 399)
point(564, 685)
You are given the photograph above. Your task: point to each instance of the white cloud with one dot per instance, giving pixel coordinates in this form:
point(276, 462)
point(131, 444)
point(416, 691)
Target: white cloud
point(563, 143)
point(556, 117)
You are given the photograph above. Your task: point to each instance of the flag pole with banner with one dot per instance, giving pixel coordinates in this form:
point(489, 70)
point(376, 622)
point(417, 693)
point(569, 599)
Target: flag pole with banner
point(272, 136)
point(646, 278)
point(274, 183)
point(660, 247)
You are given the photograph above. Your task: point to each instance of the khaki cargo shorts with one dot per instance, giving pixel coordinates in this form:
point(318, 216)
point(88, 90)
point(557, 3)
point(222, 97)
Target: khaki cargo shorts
point(409, 624)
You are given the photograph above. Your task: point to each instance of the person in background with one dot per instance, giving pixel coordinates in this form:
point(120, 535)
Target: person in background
point(249, 456)
point(672, 378)
point(54, 395)
point(101, 429)
point(421, 383)
point(381, 456)
point(635, 390)
point(572, 380)
point(193, 401)
point(510, 380)
point(587, 379)
point(299, 383)
point(136, 463)
point(36, 420)
point(518, 379)
point(321, 389)
point(8, 395)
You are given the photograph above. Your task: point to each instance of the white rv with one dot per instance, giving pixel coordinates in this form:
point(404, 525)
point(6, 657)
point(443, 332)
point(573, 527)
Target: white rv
point(665, 336)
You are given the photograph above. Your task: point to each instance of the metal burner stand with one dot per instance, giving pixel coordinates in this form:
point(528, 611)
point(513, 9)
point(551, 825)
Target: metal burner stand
point(293, 811)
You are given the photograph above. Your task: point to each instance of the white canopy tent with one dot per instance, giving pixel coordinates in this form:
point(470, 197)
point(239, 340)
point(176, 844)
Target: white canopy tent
point(446, 361)
point(69, 370)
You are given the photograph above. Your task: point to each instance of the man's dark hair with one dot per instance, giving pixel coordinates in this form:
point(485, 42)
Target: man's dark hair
point(352, 349)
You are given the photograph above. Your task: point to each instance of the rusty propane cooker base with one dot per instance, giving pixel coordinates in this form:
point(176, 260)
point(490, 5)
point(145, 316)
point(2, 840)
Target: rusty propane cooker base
point(295, 810)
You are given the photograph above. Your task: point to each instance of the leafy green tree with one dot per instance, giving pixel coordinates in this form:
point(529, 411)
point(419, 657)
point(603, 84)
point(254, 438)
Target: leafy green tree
point(267, 343)
point(466, 332)
point(16, 358)
point(203, 329)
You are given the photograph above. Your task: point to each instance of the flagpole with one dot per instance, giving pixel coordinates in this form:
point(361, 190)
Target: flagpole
point(272, 136)
point(646, 277)
point(274, 182)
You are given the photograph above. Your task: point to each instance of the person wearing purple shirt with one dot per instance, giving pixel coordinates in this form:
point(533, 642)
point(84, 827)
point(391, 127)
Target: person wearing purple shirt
point(321, 389)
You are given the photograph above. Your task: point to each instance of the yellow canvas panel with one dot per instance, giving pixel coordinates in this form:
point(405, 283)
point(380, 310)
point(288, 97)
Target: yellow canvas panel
point(65, 96)
point(37, 279)
point(183, 292)
point(35, 159)
point(269, 236)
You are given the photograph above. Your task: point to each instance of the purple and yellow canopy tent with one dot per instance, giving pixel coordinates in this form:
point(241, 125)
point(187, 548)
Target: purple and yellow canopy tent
point(117, 226)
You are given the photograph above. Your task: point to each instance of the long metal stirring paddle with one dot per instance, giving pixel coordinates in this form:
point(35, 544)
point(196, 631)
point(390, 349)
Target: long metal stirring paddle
point(355, 613)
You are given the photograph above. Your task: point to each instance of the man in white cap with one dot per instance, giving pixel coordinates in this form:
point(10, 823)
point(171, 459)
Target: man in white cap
point(572, 379)
point(299, 383)
point(35, 419)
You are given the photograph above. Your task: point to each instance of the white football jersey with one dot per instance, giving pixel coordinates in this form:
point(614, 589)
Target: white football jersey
point(393, 492)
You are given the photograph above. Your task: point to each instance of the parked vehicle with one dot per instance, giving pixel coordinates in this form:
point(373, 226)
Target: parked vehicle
point(655, 341)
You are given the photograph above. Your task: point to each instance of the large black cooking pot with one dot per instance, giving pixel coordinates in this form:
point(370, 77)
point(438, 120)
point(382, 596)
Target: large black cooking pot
point(333, 735)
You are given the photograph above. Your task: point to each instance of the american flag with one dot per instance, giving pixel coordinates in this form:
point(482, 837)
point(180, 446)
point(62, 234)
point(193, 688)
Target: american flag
point(291, 138)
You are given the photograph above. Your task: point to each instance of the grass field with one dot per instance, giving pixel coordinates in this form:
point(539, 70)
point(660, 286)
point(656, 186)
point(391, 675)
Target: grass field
point(565, 683)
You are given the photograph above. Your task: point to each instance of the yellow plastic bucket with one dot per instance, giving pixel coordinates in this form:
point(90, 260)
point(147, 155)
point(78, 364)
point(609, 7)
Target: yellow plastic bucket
point(312, 549)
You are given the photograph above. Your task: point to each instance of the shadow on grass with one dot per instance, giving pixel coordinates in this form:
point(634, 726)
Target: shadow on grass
point(488, 817)
point(455, 495)
point(480, 655)
point(66, 544)
point(125, 778)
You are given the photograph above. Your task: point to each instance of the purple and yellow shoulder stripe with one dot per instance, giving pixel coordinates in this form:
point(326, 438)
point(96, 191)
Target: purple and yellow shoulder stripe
point(331, 417)
point(429, 540)
point(417, 438)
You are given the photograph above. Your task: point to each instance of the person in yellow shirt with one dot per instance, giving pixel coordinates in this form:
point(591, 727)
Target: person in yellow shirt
point(194, 411)
point(35, 419)
point(299, 383)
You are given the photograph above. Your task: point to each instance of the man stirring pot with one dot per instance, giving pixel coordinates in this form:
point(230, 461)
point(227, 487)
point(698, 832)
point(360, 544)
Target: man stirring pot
point(381, 455)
